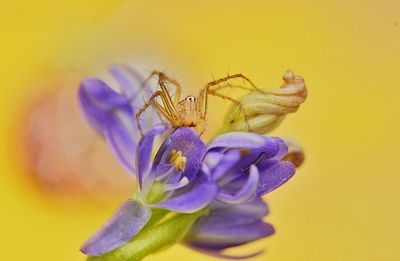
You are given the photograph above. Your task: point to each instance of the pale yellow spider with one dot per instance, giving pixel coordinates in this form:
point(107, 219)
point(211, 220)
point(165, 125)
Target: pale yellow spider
point(192, 110)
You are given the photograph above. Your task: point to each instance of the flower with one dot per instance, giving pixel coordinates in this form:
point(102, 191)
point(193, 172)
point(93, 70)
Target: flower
point(165, 183)
point(263, 110)
point(246, 166)
point(174, 180)
point(214, 190)
point(176, 171)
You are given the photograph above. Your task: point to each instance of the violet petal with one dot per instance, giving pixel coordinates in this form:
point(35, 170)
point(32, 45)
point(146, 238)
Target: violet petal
point(231, 237)
point(283, 149)
point(246, 192)
point(195, 196)
point(122, 138)
point(143, 152)
point(191, 146)
point(230, 225)
point(111, 115)
point(99, 103)
point(213, 158)
point(245, 213)
point(246, 141)
point(131, 83)
point(237, 140)
point(124, 224)
point(219, 254)
point(225, 165)
point(273, 174)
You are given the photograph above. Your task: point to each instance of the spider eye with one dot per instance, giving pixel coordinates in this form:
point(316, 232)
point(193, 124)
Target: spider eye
point(191, 98)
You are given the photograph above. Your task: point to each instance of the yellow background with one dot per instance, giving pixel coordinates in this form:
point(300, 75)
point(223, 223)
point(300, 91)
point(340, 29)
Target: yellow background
point(343, 204)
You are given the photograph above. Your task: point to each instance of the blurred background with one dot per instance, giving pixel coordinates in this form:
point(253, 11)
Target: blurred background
point(59, 182)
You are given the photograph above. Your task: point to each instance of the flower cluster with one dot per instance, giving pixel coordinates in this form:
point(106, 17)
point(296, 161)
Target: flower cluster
point(207, 196)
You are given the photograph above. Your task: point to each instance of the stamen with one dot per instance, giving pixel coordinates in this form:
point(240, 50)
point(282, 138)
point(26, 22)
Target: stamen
point(178, 160)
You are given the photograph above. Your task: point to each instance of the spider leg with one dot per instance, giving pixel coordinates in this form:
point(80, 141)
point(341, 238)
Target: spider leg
point(220, 87)
point(174, 82)
point(169, 104)
point(236, 102)
point(230, 77)
point(207, 88)
point(159, 107)
point(162, 77)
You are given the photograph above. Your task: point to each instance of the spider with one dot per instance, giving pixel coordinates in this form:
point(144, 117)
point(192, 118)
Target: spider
point(192, 110)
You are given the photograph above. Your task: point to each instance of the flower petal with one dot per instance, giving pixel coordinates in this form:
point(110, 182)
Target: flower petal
point(122, 136)
point(100, 102)
point(226, 238)
point(125, 223)
point(245, 193)
point(247, 141)
point(111, 115)
point(219, 254)
point(225, 164)
point(144, 150)
point(212, 159)
point(192, 147)
point(131, 82)
point(230, 225)
point(195, 196)
point(273, 174)
point(237, 140)
point(167, 232)
point(283, 149)
point(244, 213)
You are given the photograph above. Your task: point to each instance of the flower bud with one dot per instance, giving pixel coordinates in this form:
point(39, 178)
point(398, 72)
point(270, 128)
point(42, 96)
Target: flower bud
point(262, 110)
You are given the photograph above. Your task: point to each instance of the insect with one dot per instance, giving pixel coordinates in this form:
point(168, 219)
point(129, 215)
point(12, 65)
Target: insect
point(192, 110)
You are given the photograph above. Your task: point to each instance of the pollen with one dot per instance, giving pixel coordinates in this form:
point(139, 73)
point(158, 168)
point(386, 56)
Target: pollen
point(178, 160)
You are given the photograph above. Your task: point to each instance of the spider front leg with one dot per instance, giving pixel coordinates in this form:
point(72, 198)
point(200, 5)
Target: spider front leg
point(207, 88)
point(203, 100)
point(159, 107)
point(174, 82)
point(162, 79)
point(231, 77)
point(236, 102)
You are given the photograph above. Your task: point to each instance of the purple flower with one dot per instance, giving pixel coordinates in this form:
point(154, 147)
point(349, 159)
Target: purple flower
point(176, 171)
point(229, 175)
point(246, 166)
point(173, 181)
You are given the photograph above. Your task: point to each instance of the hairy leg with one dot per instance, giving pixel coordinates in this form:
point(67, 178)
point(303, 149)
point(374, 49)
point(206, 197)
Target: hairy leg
point(162, 77)
point(152, 102)
point(236, 102)
point(228, 85)
point(208, 87)
point(167, 100)
point(231, 77)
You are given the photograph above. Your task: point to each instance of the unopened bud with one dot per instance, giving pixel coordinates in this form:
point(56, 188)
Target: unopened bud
point(263, 110)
